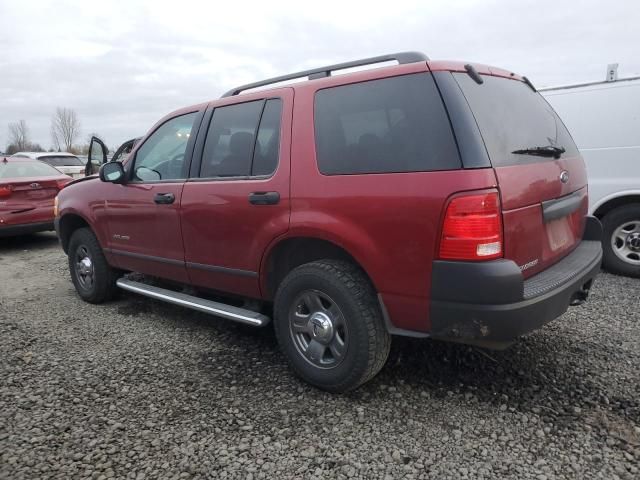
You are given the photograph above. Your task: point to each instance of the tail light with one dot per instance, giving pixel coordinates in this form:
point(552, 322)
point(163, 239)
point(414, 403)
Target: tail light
point(5, 192)
point(61, 183)
point(472, 228)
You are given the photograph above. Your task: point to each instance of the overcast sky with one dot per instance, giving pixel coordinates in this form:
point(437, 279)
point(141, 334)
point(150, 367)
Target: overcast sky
point(123, 65)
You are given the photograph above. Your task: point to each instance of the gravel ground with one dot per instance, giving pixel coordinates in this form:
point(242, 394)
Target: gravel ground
point(139, 389)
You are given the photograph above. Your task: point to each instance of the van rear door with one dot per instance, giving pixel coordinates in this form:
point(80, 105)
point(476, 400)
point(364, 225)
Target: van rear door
point(541, 176)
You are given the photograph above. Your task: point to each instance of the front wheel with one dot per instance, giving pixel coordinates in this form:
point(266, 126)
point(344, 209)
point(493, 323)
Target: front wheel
point(329, 325)
point(621, 243)
point(93, 277)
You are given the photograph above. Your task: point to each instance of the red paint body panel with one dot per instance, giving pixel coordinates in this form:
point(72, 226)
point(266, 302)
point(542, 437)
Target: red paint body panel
point(389, 222)
point(138, 225)
point(222, 229)
point(85, 198)
point(27, 202)
point(523, 188)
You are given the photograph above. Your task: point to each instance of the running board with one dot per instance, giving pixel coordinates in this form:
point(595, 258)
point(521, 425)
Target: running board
point(242, 315)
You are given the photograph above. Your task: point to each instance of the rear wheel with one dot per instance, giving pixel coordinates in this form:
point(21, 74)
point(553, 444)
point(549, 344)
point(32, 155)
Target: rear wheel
point(329, 325)
point(93, 277)
point(621, 242)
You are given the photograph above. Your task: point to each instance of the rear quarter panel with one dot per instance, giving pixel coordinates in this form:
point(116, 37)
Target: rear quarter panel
point(388, 222)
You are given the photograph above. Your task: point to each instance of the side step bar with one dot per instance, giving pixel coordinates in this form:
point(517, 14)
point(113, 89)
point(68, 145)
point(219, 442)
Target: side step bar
point(242, 315)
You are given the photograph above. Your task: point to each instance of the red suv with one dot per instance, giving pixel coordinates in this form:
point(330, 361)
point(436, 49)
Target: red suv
point(428, 198)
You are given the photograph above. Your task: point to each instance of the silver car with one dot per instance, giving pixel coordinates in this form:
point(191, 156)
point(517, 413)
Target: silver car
point(65, 162)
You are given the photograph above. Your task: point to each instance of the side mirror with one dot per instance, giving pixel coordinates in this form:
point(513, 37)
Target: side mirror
point(97, 156)
point(112, 172)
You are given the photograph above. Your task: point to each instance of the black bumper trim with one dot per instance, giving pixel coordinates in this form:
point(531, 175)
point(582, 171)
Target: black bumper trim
point(502, 315)
point(25, 229)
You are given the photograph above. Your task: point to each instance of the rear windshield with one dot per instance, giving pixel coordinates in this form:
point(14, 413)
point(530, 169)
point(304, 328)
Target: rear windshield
point(395, 124)
point(62, 161)
point(26, 168)
point(511, 116)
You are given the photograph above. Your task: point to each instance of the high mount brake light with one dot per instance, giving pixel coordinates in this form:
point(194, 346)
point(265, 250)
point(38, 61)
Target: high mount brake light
point(472, 228)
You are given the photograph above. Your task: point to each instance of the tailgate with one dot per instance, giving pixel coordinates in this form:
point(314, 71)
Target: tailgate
point(543, 217)
point(541, 176)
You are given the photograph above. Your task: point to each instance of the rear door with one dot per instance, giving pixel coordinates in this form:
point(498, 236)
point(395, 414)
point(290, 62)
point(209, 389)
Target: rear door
point(543, 191)
point(237, 200)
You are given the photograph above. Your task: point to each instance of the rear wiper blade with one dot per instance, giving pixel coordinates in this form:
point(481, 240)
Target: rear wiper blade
point(546, 151)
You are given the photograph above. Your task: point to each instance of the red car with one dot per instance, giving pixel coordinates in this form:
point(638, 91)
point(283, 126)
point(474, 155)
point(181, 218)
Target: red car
point(428, 198)
point(27, 192)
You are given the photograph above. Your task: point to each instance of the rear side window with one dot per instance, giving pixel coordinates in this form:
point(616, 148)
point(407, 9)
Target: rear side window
point(243, 140)
point(511, 116)
point(383, 126)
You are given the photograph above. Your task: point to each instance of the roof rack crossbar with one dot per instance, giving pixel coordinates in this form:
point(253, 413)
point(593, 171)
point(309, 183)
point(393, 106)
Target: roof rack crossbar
point(322, 72)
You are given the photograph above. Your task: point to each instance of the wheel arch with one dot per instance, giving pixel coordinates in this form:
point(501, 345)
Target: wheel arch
point(68, 224)
point(290, 252)
point(609, 203)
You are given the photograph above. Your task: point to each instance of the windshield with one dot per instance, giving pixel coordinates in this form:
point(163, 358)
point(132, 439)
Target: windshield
point(514, 118)
point(62, 161)
point(25, 168)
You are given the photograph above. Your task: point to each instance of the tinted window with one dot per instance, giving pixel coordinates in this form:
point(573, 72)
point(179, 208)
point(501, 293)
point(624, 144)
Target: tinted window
point(161, 157)
point(61, 161)
point(265, 157)
point(392, 125)
point(228, 149)
point(24, 168)
point(511, 116)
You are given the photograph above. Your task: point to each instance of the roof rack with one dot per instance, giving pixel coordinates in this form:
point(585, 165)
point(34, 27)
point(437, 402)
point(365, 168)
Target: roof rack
point(314, 73)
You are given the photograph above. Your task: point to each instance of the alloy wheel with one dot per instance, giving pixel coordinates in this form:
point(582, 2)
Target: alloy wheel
point(318, 329)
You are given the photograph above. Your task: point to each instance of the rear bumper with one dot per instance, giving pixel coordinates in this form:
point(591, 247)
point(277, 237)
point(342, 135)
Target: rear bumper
point(25, 229)
point(489, 304)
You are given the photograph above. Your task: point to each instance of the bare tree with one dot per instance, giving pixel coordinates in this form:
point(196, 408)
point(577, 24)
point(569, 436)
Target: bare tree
point(65, 128)
point(19, 135)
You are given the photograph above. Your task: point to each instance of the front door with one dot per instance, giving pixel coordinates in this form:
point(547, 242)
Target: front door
point(237, 200)
point(144, 211)
point(97, 156)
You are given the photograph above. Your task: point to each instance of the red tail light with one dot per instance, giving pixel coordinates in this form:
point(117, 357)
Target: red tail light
point(472, 228)
point(5, 192)
point(62, 183)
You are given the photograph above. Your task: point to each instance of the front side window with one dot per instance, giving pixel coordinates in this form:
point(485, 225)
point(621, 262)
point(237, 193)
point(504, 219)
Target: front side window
point(390, 125)
point(243, 140)
point(162, 155)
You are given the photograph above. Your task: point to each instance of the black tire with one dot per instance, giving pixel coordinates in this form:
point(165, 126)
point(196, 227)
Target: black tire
point(613, 220)
point(338, 284)
point(83, 243)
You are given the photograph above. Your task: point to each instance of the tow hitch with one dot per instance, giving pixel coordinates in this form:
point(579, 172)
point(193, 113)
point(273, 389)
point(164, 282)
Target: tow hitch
point(581, 295)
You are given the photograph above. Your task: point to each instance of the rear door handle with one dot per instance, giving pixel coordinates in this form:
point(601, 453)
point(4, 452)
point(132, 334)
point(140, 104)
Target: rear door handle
point(264, 198)
point(164, 198)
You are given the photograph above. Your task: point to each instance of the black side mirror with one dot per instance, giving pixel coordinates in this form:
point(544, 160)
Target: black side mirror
point(112, 172)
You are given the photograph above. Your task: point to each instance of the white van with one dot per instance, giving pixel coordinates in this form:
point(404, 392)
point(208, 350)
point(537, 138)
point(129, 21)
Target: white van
point(604, 120)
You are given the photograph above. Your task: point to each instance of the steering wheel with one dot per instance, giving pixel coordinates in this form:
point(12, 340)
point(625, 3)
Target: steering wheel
point(171, 168)
point(174, 166)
